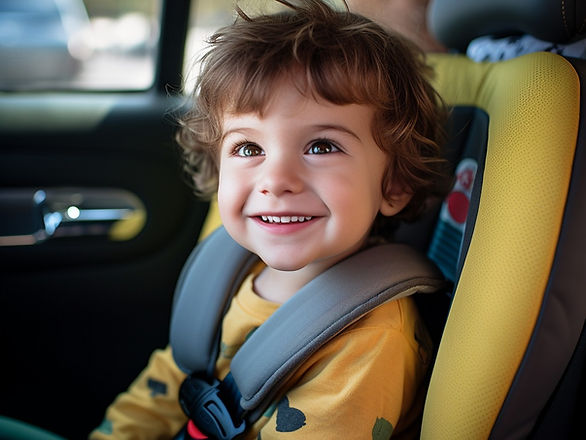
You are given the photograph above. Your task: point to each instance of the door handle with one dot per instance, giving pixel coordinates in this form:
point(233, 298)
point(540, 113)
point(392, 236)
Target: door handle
point(29, 216)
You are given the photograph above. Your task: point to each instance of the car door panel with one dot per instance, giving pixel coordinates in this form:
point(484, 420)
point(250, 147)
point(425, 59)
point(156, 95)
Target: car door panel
point(80, 314)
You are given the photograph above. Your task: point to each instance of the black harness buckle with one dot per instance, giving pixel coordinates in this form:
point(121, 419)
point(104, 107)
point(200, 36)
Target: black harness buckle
point(211, 407)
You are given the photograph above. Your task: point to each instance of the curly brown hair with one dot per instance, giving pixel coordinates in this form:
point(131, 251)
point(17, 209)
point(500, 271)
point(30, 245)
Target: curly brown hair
point(343, 58)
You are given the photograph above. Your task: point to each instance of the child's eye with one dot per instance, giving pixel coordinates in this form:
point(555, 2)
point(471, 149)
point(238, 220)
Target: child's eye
point(248, 149)
point(322, 147)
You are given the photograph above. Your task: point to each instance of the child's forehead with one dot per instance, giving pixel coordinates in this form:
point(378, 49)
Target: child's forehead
point(286, 98)
point(291, 91)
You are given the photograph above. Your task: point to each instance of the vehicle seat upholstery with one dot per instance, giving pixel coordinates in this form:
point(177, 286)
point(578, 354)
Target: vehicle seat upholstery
point(510, 235)
point(532, 110)
point(511, 354)
point(457, 22)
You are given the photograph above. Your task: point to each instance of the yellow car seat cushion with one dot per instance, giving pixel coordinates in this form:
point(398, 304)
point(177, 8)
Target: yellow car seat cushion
point(532, 103)
point(212, 221)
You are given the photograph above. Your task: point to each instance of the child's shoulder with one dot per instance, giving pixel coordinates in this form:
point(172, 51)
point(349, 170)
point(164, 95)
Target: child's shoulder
point(398, 314)
point(397, 322)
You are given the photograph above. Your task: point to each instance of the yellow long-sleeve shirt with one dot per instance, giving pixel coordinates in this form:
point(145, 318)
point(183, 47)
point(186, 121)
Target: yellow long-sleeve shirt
point(364, 384)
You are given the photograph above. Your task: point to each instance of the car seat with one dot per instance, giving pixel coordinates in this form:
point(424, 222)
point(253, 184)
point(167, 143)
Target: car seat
point(510, 234)
point(511, 356)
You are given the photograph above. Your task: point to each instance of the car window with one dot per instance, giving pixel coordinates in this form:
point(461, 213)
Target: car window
point(78, 44)
point(206, 16)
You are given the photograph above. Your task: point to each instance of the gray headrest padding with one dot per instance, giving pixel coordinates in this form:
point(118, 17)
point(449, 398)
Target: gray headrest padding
point(456, 22)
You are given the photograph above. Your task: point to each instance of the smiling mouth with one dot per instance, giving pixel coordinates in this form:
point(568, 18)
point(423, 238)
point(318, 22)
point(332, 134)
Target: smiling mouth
point(284, 218)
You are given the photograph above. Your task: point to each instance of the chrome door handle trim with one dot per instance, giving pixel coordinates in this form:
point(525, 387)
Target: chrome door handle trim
point(29, 216)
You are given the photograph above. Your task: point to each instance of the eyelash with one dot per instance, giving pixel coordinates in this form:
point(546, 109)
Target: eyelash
point(238, 148)
point(332, 145)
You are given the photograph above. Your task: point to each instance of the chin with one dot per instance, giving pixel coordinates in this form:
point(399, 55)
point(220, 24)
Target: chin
point(283, 263)
point(284, 266)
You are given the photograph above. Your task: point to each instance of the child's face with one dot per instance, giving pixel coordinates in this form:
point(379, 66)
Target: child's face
point(301, 186)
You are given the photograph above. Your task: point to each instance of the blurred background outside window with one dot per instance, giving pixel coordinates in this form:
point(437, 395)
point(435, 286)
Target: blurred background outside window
point(78, 44)
point(100, 44)
point(205, 18)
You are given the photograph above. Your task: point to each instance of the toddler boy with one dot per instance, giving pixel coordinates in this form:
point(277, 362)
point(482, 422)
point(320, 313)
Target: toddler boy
point(318, 131)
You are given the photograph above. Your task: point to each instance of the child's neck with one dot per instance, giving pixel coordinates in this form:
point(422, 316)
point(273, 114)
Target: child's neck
point(278, 286)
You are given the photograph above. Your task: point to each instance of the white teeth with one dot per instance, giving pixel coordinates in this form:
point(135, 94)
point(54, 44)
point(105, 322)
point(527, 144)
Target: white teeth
point(284, 219)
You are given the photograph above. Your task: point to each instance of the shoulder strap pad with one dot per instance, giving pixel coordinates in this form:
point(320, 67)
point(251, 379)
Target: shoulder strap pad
point(320, 310)
point(211, 276)
point(314, 315)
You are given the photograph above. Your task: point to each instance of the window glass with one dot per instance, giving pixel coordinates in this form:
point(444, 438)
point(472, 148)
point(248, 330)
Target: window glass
point(207, 16)
point(78, 44)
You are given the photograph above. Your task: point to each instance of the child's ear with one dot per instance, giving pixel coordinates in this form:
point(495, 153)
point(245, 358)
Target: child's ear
point(395, 199)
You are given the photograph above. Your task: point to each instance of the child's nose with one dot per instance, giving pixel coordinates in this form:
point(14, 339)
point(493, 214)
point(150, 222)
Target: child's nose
point(280, 175)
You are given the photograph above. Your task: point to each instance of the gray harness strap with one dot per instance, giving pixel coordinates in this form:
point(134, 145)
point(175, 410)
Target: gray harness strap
point(314, 315)
point(212, 274)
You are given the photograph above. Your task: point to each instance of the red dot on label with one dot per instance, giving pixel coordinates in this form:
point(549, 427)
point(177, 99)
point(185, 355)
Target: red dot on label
point(458, 206)
point(194, 432)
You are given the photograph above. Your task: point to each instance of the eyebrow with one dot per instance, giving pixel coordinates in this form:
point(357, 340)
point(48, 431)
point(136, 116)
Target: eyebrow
point(317, 127)
point(237, 130)
point(340, 128)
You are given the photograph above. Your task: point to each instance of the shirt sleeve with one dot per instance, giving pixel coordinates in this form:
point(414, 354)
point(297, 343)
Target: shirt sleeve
point(150, 407)
point(363, 384)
